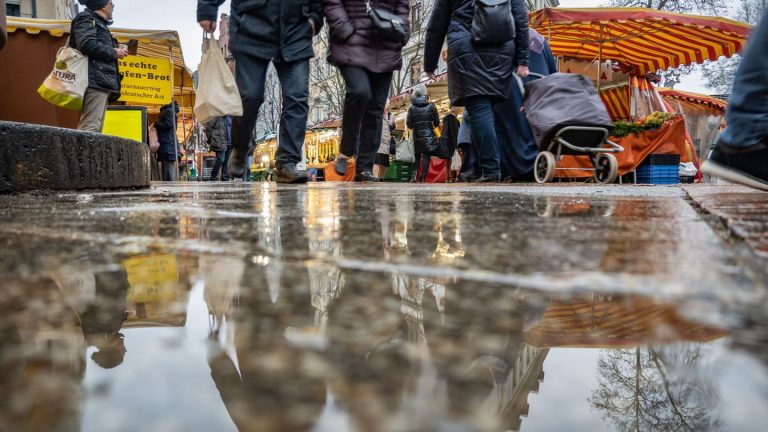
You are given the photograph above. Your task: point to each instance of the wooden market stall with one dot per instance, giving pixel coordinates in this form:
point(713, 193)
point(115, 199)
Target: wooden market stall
point(30, 53)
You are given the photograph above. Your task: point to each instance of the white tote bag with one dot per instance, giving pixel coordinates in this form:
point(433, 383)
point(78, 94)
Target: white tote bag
point(404, 151)
point(66, 84)
point(217, 93)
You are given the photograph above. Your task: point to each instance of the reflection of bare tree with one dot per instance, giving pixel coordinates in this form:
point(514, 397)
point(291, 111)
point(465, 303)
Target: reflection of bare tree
point(654, 389)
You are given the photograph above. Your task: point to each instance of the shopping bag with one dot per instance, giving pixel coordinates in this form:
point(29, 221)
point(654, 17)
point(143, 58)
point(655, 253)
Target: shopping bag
point(330, 171)
point(217, 93)
point(437, 171)
point(404, 151)
point(154, 140)
point(65, 86)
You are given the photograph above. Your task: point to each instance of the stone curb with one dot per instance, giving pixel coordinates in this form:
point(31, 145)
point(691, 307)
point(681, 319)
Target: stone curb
point(34, 157)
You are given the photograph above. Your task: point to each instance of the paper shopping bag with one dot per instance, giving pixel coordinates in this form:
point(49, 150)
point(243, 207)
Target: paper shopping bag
point(217, 93)
point(65, 86)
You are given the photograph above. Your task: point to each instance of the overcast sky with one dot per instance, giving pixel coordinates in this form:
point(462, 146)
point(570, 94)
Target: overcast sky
point(180, 15)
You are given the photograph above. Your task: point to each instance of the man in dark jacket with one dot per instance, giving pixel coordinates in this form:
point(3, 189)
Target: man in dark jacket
point(90, 35)
point(168, 153)
point(280, 32)
point(218, 141)
point(422, 119)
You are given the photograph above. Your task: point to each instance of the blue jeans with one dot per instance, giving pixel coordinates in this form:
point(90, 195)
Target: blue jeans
point(224, 172)
point(249, 162)
point(748, 109)
point(221, 161)
point(480, 110)
point(251, 75)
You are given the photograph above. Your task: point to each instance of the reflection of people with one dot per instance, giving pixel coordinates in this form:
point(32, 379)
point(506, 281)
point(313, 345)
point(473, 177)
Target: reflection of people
point(91, 36)
point(103, 318)
point(741, 155)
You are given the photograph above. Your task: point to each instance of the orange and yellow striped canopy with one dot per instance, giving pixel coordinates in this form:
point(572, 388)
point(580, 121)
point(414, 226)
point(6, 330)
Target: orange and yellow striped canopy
point(640, 40)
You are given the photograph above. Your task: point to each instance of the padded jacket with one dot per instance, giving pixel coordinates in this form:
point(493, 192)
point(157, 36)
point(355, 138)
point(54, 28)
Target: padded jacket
point(90, 35)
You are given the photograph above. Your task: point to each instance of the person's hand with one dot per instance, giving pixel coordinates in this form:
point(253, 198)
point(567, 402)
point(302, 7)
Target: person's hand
point(431, 75)
point(121, 53)
point(209, 26)
point(312, 26)
point(522, 71)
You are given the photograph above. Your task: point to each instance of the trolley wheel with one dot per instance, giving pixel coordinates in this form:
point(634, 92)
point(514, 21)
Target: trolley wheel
point(606, 168)
point(544, 167)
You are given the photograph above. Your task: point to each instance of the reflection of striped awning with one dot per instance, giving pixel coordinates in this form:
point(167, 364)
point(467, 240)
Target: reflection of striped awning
point(641, 40)
point(619, 322)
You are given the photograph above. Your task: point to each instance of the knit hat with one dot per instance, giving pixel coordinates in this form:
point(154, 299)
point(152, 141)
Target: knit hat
point(94, 4)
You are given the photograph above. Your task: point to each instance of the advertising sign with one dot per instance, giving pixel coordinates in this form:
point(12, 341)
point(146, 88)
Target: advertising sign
point(146, 81)
point(126, 122)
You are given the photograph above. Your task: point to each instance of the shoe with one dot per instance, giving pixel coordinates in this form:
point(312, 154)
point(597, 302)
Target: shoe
point(490, 179)
point(748, 168)
point(290, 174)
point(466, 178)
point(341, 166)
point(237, 161)
point(366, 176)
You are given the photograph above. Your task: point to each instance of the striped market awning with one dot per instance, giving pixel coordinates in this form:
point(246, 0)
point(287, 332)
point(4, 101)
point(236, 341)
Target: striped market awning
point(640, 40)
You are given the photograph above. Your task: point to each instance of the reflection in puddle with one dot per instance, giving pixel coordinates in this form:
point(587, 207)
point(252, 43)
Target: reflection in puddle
point(276, 336)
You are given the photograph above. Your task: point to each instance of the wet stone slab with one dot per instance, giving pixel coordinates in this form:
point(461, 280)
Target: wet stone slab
point(259, 307)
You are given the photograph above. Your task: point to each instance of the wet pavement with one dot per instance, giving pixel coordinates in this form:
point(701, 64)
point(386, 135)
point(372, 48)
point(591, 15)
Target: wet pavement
point(392, 307)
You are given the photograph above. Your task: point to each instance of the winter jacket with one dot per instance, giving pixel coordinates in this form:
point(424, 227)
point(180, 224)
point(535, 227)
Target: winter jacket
point(387, 125)
point(269, 29)
point(449, 134)
point(423, 119)
point(165, 129)
point(474, 70)
point(90, 35)
point(353, 42)
point(216, 132)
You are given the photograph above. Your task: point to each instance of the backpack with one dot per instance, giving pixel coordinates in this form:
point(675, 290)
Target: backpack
point(492, 23)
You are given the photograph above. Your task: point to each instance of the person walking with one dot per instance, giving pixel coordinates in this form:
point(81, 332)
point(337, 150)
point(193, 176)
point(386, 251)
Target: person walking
point(90, 35)
point(741, 154)
point(168, 153)
point(479, 73)
point(366, 61)
point(470, 170)
point(422, 120)
point(385, 145)
point(218, 142)
point(263, 32)
point(517, 146)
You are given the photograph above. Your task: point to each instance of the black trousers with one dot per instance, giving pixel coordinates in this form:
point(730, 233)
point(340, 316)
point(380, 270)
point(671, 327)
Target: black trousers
point(251, 75)
point(364, 101)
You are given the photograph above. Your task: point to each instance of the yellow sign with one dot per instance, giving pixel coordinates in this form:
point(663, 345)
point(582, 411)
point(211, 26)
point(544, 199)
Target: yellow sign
point(152, 278)
point(145, 80)
point(125, 123)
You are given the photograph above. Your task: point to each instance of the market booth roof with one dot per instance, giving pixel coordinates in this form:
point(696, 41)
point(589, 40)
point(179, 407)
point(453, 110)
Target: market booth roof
point(641, 40)
point(163, 44)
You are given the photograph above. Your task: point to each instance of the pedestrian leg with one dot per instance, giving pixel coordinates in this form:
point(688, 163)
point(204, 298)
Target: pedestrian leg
point(94, 108)
point(251, 74)
point(372, 122)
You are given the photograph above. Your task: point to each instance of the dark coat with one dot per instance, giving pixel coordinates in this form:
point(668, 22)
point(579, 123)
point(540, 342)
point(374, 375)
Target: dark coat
point(268, 29)
point(423, 119)
point(474, 70)
point(450, 133)
point(91, 36)
point(353, 42)
point(165, 126)
point(218, 134)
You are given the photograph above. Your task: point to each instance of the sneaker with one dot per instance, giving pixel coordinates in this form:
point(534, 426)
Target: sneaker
point(341, 166)
point(747, 168)
point(290, 174)
point(366, 176)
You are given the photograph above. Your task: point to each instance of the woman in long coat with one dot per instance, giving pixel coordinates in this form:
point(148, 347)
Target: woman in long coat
point(478, 75)
point(366, 62)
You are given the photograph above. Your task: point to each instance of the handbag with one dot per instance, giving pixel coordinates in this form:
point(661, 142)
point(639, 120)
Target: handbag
point(386, 25)
point(405, 150)
point(217, 93)
point(154, 141)
point(492, 23)
point(65, 86)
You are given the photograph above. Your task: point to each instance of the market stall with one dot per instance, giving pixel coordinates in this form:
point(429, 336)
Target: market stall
point(321, 144)
point(22, 72)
